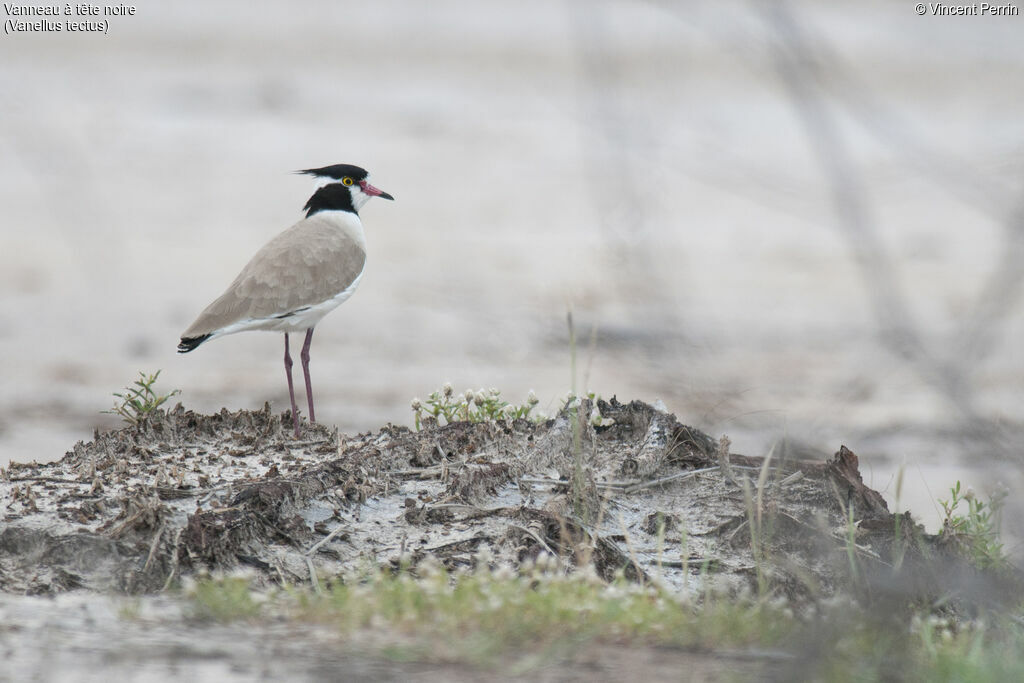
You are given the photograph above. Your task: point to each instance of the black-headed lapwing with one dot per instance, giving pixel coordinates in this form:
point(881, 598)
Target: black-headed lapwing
point(299, 276)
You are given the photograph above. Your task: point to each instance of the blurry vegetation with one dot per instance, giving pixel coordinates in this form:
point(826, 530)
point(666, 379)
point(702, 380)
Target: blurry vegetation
point(976, 532)
point(487, 614)
point(496, 616)
point(224, 600)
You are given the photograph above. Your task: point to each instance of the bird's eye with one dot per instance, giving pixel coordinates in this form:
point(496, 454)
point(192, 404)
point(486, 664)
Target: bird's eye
point(347, 182)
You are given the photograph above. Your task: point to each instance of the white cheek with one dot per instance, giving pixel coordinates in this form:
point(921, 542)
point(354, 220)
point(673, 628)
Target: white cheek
point(358, 197)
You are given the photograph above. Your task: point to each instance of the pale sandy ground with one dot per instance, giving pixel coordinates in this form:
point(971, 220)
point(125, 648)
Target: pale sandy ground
point(638, 162)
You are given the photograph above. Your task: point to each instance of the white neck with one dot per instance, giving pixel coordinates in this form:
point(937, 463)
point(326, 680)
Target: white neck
point(345, 221)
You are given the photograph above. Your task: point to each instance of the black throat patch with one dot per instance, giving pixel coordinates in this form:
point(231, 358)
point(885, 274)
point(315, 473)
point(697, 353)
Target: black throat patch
point(333, 197)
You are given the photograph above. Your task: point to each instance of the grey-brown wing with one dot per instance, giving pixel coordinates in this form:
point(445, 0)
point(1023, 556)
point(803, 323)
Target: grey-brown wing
point(308, 263)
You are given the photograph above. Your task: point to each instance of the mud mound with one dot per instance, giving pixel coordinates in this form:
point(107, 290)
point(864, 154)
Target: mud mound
point(138, 508)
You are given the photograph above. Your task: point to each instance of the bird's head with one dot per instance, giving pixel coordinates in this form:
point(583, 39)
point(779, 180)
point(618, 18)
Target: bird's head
point(341, 187)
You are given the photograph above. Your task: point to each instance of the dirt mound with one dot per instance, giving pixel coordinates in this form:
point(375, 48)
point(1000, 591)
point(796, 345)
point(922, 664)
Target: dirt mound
point(135, 509)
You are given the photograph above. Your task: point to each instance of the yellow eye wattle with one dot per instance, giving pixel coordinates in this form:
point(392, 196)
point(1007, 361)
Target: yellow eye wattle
point(346, 182)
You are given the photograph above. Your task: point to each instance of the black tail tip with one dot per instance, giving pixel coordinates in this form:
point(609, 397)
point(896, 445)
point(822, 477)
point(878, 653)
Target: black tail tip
point(189, 343)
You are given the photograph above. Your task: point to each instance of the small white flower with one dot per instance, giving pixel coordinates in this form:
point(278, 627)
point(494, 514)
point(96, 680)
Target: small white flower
point(448, 389)
point(504, 572)
point(543, 562)
point(429, 566)
point(532, 399)
point(481, 398)
point(415, 403)
point(484, 554)
point(243, 572)
point(495, 391)
point(588, 573)
point(468, 395)
point(969, 494)
point(509, 410)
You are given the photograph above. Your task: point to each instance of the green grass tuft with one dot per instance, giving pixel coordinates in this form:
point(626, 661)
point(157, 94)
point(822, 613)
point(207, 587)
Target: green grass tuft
point(140, 399)
point(445, 406)
point(977, 531)
point(225, 600)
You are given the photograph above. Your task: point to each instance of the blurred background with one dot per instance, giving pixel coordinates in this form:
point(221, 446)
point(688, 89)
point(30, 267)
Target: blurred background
point(800, 224)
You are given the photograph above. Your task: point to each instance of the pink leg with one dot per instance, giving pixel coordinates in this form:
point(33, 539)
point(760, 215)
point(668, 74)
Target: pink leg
point(291, 389)
point(305, 371)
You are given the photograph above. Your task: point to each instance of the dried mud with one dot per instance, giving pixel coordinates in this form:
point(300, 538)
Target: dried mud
point(135, 510)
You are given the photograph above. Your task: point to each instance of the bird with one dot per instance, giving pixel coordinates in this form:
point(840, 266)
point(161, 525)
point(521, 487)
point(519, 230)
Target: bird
point(300, 275)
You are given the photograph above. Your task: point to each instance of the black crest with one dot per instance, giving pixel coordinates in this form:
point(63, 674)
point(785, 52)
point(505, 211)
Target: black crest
point(337, 172)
